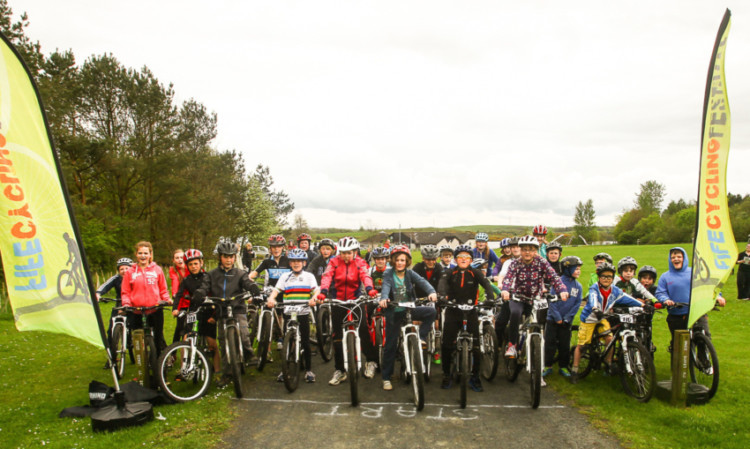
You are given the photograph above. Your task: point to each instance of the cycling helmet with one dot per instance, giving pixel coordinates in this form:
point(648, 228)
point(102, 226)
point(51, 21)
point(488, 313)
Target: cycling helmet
point(605, 256)
point(297, 254)
point(227, 248)
point(624, 262)
point(477, 263)
point(571, 261)
point(380, 252)
point(540, 230)
point(513, 241)
point(482, 237)
point(445, 248)
point(400, 249)
point(430, 252)
point(327, 242)
point(463, 249)
point(554, 245)
point(304, 236)
point(276, 240)
point(124, 261)
point(528, 240)
point(647, 269)
point(606, 266)
point(504, 243)
point(192, 254)
point(348, 244)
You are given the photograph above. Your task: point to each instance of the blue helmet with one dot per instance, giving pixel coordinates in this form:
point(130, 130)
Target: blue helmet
point(463, 249)
point(477, 263)
point(504, 243)
point(297, 254)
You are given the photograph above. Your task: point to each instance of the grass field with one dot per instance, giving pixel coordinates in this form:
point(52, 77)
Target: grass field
point(41, 373)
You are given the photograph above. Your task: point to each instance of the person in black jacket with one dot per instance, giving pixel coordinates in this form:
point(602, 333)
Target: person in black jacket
point(428, 268)
point(318, 265)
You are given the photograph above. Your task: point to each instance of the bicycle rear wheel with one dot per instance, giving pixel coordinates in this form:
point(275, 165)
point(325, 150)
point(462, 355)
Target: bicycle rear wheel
point(489, 355)
point(290, 364)
point(585, 365)
point(535, 354)
point(177, 378)
point(464, 369)
point(234, 360)
point(417, 379)
point(264, 340)
point(352, 371)
point(119, 349)
point(704, 363)
point(325, 333)
point(640, 381)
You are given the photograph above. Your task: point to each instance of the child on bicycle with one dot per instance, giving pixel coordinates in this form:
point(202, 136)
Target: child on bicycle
point(446, 257)
point(560, 318)
point(626, 280)
point(505, 255)
point(317, 267)
point(603, 296)
point(554, 251)
point(540, 232)
point(298, 285)
point(400, 284)
point(647, 277)
point(276, 264)
point(115, 282)
point(515, 253)
point(461, 285)
point(380, 256)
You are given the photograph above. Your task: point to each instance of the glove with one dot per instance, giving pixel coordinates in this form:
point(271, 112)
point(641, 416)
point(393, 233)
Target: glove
point(321, 297)
point(324, 292)
point(598, 314)
point(255, 290)
point(372, 292)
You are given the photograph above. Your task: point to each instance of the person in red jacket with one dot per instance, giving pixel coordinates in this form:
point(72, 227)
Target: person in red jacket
point(144, 285)
point(177, 272)
point(345, 273)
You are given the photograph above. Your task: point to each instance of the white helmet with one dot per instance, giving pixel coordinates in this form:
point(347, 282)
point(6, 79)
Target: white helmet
point(348, 244)
point(528, 240)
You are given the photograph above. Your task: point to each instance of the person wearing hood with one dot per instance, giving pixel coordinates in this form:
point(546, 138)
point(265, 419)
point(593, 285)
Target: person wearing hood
point(560, 317)
point(554, 252)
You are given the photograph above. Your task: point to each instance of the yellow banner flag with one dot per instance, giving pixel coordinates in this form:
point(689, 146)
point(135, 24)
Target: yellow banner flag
point(44, 270)
point(715, 249)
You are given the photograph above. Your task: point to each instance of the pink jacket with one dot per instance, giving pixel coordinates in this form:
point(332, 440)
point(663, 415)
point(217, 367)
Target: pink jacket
point(144, 287)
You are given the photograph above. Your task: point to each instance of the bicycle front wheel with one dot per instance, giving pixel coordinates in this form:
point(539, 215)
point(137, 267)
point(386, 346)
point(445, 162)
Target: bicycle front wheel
point(464, 368)
point(704, 364)
point(417, 379)
point(119, 349)
point(235, 364)
point(325, 333)
point(535, 355)
point(352, 371)
point(67, 287)
point(184, 372)
point(639, 381)
point(489, 354)
point(264, 340)
point(290, 364)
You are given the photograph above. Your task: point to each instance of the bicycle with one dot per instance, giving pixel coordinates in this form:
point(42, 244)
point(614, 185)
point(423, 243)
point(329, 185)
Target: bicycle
point(488, 343)
point(232, 341)
point(410, 353)
point(377, 329)
point(531, 345)
point(629, 357)
point(292, 347)
point(264, 334)
point(147, 365)
point(324, 331)
point(352, 351)
point(186, 362)
point(120, 343)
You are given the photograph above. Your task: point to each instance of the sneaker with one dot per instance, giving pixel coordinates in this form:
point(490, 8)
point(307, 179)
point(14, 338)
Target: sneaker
point(447, 382)
point(309, 377)
point(546, 372)
point(279, 345)
point(280, 377)
point(564, 372)
point(511, 351)
point(387, 386)
point(424, 345)
point(475, 384)
point(338, 377)
point(438, 359)
point(223, 381)
point(543, 384)
point(370, 370)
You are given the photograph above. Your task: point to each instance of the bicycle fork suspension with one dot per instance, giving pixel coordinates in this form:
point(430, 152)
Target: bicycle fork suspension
point(358, 347)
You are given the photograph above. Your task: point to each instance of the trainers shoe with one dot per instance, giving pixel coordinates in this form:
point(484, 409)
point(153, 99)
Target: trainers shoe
point(546, 372)
point(370, 370)
point(338, 377)
point(475, 384)
point(309, 377)
point(438, 360)
point(511, 351)
point(543, 384)
point(279, 345)
point(447, 382)
point(223, 381)
point(564, 372)
point(280, 377)
point(424, 345)
point(387, 386)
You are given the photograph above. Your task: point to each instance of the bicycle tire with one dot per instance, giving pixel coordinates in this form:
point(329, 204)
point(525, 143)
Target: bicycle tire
point(704, 372)
point(379, 340)
point(535, 381)
point(153, 361)
point(585, 365)
point(191, 384)
point(352, 372)
point(65, 281)
point(641, 383)
point(264, 340)
point(325, 339)
point(417, 379)
point(252, 323)
point(290, 364)
point(119, 349)
point(463, 370)
point(427, 369)
point(512, 368)
point(489, 356)
point(234, 360)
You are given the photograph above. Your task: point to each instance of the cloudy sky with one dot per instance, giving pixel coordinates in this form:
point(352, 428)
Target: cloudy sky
point(422, 113)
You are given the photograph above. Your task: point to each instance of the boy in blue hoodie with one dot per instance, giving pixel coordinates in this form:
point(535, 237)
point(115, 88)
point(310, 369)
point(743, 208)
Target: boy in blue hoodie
point(560, 318)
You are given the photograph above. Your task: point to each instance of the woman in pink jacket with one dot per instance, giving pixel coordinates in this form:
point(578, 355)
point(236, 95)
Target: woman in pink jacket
point(144, 285)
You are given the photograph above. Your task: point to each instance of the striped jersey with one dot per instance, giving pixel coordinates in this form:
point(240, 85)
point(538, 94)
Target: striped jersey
point(296, 287)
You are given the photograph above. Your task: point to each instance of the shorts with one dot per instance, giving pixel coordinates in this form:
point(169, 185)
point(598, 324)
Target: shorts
point(586, 331)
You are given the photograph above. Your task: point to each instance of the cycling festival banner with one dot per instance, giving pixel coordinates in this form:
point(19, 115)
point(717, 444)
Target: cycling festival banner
point(715, 249)
point(44, 271)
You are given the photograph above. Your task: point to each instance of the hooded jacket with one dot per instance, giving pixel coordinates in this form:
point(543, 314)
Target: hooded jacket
point(144, 287)
point(675, 284)
point(616, 297)
point(565, 311)
point(346, 277)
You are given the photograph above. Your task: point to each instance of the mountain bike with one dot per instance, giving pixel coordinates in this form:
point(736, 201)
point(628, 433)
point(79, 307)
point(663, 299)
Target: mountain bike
point(120, 343)
point(410, 353)
point(264, 335)
point(488, 343)
point(530, 344)
point(704, 362)
point(352, 350)
point(377, 329)
point(324, 331)
point(630, 358)
point(185, 369)
point(292, 348)
point(146, 356)
point(232, 340)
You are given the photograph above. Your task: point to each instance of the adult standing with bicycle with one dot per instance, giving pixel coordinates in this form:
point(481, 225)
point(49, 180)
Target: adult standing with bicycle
point(461, 286)
point(399, 285)
point(345, 273)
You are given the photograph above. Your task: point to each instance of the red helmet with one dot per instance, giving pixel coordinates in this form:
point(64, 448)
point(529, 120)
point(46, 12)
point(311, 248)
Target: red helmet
point(192, 254)
point(304, 237)
point(400, 249)
point(276, 240)
point(540, 230)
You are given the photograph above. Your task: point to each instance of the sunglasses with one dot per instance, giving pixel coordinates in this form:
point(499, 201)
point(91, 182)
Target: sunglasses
point(606, 276)
point(463, 256)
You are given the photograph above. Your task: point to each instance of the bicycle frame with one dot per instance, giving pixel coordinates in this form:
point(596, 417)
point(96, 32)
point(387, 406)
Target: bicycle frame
point(531, 325)
point(408, 328)
point(293, 308)
point(486, 317)
point(350, 326)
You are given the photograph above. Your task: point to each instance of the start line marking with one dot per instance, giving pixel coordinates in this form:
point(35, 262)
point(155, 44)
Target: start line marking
point(306, 401)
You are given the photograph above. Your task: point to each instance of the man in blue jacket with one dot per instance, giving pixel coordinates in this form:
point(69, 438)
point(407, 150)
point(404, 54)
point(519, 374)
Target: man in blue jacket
point(560, 318)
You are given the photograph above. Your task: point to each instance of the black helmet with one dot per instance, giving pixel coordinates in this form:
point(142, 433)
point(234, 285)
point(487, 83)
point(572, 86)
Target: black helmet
point(624, 262)
point(327, 242)
point(226, 247)
point(513, 241)
point(606, 266)
point(571, 261)
point(605, 256)
point(554, 245)
point(647, 269)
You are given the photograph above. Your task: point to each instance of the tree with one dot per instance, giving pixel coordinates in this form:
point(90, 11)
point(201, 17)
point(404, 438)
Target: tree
point(299, 225)
point(650, 197)
point(284, 206)
point(584, 220)
point(258, 218)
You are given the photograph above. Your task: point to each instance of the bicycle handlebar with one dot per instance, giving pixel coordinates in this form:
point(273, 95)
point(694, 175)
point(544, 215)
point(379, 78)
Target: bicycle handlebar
point(142, 308)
